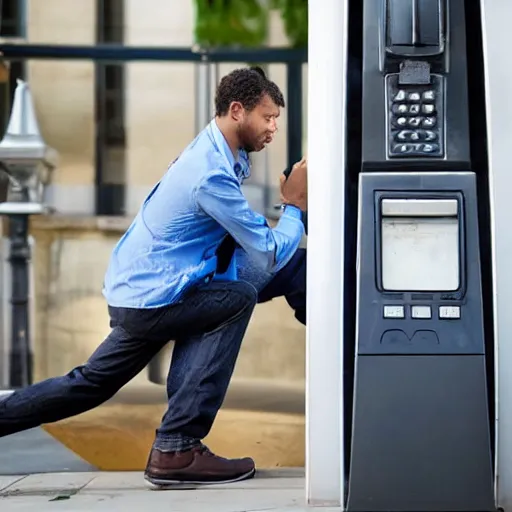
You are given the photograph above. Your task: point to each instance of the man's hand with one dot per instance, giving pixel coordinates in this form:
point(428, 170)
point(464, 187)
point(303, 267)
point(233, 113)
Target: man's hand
point(294, 189)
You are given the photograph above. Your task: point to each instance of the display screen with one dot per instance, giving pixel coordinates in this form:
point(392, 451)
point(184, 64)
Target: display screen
point(420, 253)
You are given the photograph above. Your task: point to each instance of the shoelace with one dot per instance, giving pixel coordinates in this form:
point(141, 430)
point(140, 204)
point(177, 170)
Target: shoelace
point(206, 451)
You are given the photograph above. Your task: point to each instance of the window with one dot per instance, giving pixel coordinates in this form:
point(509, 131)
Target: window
point(12, 12)
point(110, 114)
point(12, 25)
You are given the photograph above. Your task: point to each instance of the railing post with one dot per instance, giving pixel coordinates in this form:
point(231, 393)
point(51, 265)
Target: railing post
point(203, 103)
point(294, 111)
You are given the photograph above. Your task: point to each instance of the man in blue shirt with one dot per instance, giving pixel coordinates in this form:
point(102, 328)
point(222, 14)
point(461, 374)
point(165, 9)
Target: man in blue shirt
point(190, 268)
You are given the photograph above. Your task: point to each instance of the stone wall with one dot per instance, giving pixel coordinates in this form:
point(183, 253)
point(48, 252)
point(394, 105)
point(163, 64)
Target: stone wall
point(71, 319)
point(63, 93)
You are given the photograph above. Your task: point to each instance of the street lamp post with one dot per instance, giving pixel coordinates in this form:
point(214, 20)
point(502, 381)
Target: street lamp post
point(28, 161)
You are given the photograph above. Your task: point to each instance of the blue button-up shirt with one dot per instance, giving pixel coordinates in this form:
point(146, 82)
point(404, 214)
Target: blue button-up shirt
point(171, 243)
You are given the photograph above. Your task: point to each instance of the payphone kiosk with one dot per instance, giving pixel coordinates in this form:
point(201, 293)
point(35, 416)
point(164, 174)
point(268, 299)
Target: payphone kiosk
point(421, 428)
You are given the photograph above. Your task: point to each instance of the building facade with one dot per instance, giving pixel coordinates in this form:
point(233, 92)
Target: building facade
point(116, 126)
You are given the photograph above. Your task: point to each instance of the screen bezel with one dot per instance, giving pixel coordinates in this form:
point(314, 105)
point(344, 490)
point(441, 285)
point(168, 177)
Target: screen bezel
point(444, 294)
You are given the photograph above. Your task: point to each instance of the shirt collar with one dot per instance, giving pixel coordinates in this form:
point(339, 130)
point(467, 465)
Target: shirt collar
point(242, 166)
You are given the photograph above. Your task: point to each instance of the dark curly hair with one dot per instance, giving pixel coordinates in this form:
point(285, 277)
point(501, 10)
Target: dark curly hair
point(248, 86)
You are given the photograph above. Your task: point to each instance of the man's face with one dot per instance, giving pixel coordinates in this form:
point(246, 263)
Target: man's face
point(257, 127)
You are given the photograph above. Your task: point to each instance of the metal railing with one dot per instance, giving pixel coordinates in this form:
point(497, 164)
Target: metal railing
point(293, 59)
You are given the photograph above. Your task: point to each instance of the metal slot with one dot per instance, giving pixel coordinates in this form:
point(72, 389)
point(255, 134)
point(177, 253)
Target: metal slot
point(419, 207)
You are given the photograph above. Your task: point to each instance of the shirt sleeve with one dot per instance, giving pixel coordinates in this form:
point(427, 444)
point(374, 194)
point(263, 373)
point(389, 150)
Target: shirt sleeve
point(219, 195)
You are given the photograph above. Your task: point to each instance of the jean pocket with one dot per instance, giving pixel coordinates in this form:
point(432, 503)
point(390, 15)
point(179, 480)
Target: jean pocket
point(141, 323)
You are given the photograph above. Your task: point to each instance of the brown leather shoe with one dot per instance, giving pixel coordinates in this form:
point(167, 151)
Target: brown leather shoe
point(195, 467)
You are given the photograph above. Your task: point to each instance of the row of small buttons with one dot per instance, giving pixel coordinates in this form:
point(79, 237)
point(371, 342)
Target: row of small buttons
point(422, 312)
point(417, 121)
point(414, 96)
point(416, 135)
point(413, 110)
point(415, 148)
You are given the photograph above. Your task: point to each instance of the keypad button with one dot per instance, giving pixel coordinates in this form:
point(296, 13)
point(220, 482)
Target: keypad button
point(407, 135)
point(414, 109)
point(429, 122)
point(429, 95)
point(414, 96)
point(401, 121)
point(427, 109)
point(394, 312)
point(431, 148)
point(430, 135)
point(400, 109)
point(415, 121)
point(450, 312)
point(402, 148)
point(400, 96)
point(421, 312)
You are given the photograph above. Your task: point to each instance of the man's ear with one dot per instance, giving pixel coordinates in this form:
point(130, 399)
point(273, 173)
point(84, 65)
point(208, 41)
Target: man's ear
point(236, 110)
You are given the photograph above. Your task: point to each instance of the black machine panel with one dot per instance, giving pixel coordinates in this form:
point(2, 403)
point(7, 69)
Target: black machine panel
point(445, 319)
point(414, 86)
point(421, 438)
point(421, 422)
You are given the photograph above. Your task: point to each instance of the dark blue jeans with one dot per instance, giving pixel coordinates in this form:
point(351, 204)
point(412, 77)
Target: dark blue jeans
point(208, 327)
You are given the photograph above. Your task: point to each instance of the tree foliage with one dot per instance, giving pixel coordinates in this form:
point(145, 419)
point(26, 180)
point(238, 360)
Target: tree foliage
point(232, 23)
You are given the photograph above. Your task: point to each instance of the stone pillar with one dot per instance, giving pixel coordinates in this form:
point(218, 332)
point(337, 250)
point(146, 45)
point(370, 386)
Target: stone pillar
point(64, 97)
point(160, 95)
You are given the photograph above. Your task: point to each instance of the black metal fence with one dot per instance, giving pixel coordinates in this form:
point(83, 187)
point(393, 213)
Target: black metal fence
point(293, 59)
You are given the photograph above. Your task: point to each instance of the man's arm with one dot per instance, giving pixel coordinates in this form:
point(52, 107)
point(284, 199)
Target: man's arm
point(219, 195)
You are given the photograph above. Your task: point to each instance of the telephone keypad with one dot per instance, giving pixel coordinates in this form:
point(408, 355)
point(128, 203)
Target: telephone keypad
point(415, 127)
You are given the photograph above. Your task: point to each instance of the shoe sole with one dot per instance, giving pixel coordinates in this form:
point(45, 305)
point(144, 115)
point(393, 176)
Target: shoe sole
point(191, 484)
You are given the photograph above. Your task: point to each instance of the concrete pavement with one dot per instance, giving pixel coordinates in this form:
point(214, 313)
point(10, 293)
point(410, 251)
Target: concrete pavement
point(279, 490)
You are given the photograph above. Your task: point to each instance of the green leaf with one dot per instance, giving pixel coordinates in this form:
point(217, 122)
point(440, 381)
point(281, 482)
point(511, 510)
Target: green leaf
point(246, 22)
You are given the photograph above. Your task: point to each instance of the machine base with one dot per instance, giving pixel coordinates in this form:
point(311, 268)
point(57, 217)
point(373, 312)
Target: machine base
point(421, 436)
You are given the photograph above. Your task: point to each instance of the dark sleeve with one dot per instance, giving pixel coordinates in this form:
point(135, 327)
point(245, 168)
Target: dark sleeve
point(287, 173)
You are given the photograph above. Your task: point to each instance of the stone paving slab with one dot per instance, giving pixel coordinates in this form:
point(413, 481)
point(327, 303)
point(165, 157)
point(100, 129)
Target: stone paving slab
point(48, 484)
point(8, 480)
point(270, 491)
